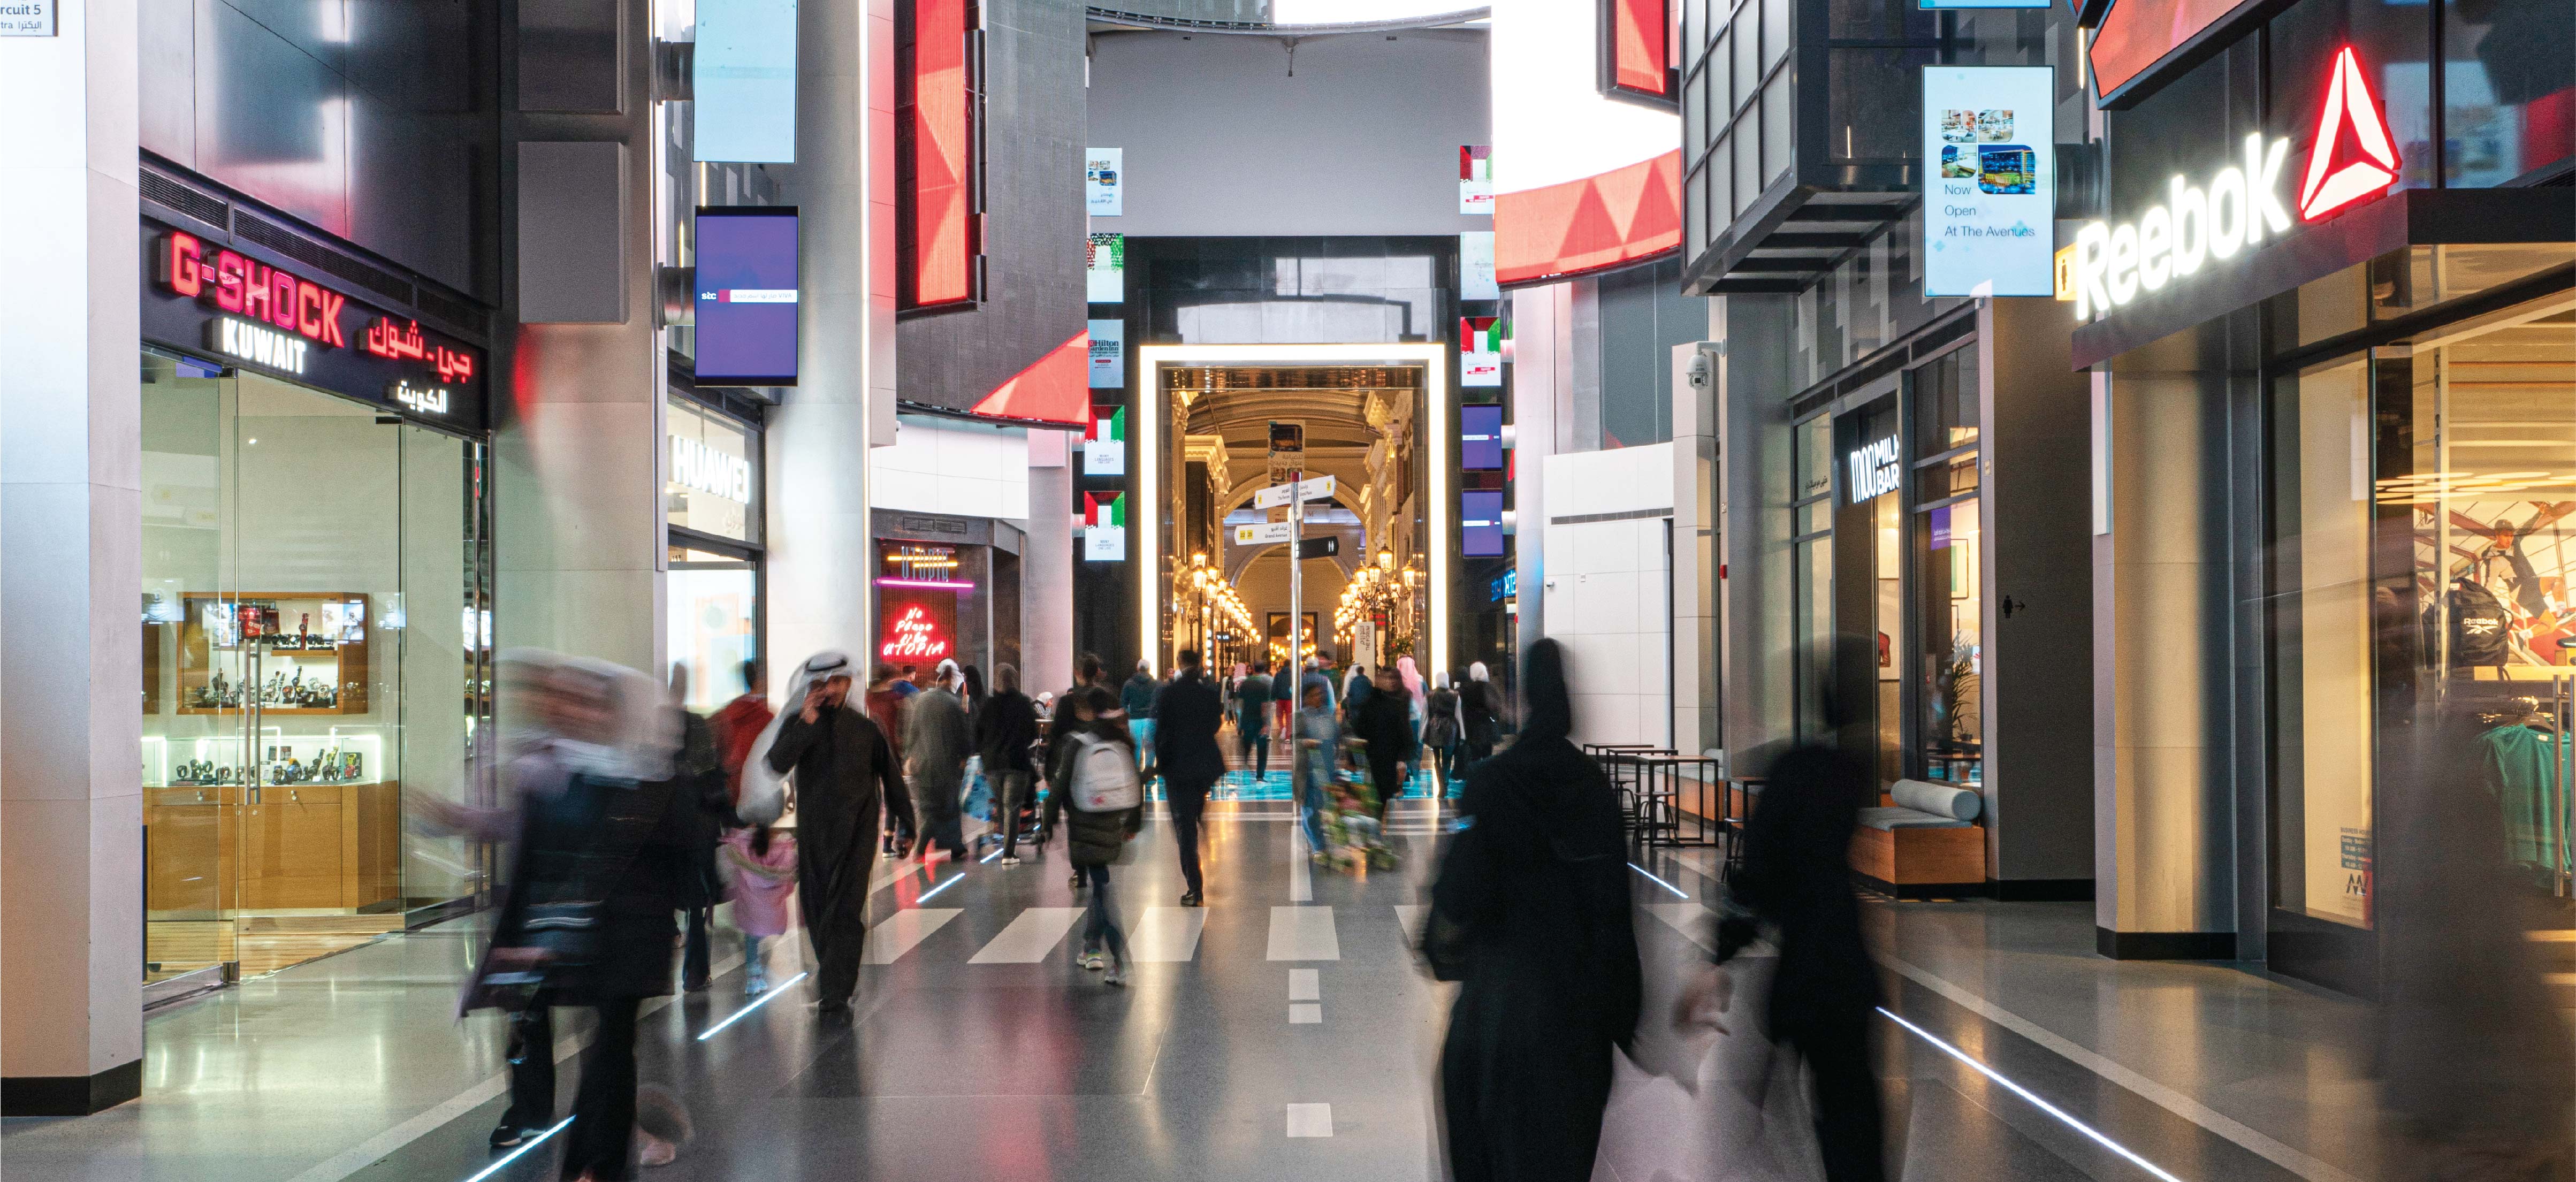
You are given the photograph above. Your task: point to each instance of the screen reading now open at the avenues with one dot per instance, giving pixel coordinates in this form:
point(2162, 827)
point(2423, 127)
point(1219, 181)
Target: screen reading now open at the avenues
point(747, 296)
point(1990, 186)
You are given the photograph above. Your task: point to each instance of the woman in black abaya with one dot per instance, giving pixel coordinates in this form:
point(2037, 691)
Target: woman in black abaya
point(1531, 916)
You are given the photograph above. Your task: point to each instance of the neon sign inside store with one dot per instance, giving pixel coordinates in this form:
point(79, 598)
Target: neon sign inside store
point(914, 636)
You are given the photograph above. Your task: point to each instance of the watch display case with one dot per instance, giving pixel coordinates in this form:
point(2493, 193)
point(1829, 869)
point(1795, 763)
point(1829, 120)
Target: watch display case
point(283, 653)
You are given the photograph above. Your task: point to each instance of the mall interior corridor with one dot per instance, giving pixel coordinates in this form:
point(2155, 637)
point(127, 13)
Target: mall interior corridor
point(1288, 590)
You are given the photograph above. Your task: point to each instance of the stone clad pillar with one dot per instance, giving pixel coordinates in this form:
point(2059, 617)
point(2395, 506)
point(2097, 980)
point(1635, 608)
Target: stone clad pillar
point(821, 558)
point(71, 569)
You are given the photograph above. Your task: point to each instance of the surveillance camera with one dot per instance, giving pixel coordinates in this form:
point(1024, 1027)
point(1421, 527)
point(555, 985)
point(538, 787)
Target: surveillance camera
point(1699, 371)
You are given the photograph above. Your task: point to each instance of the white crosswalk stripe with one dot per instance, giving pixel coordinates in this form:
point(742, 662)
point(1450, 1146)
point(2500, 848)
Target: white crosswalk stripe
point(1167, 934)
point(1030, 936)
point(1303, 933)
point(904, 931)
point(1410, 916)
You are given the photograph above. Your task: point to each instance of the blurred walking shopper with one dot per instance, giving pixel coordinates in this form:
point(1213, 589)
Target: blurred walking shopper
point(1188, 712)
point(844, 771)
point(759, 865)
point(1795, 881)
point(1005, 729)
point(936, 743)
point(2477, 1067)
point(1318, 754)
point(602, 859)
point(1137, 699)
point(883, 703)
point(1530, 915)
point(1440, 729)
point(738, 725)
point(700, 775)
point(1481, 713)
point(1252, 721)
point(1100, 800)
point(1384, 721)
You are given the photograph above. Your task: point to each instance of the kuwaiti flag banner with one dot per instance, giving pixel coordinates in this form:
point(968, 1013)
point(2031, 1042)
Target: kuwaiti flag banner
point(1108, 424)
point(1480, 350)
point(1104, 510)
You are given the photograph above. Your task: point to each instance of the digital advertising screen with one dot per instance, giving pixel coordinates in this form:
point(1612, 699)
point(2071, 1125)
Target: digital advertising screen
point(742, 78)
point(1480, 438)
point(746, 295)
point(1990, 199)
point(1480, 524)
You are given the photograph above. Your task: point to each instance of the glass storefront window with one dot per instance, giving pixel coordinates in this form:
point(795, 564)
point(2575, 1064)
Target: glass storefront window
point(315, 648)
point(2424, 544)
point(712, 485)
point(1814, 571)
point(712, 622)
point(2508, 89)
point(1952, 660)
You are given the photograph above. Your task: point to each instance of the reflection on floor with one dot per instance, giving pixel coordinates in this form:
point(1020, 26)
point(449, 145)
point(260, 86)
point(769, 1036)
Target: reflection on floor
point(262, 943)
point(1284, 1031)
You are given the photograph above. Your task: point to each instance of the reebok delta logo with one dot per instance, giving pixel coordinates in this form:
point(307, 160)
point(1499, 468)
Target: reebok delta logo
point(2349, 107)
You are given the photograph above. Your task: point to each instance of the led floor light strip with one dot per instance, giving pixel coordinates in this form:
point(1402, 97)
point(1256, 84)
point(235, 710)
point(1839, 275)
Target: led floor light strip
point(756, 1003)
point(988, 857)
point(521, 1151)
point(925, 895)
point(1677, 891)
point(2025, 1093)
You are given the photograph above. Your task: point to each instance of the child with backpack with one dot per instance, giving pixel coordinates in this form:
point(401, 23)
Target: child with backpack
point(1103, 805)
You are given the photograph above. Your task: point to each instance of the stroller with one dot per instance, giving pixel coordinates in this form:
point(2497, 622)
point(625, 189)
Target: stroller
point(1348, 817)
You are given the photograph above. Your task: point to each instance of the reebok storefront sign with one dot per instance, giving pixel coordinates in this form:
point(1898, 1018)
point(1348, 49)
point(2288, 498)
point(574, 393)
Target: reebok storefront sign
point(2240, 207)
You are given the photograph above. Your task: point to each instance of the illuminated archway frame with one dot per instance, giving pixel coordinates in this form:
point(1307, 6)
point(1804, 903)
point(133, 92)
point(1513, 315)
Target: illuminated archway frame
point(1432, 356)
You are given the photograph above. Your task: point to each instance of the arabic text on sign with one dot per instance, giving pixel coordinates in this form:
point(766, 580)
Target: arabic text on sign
point(428, 400)
point(403, 342)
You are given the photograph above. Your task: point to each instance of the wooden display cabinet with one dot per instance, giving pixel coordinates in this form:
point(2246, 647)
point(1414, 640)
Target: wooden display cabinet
point(301, 846)
point(296, 647)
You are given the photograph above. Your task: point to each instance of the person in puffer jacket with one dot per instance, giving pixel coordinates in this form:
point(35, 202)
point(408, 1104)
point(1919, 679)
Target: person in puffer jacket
point(1094, 840)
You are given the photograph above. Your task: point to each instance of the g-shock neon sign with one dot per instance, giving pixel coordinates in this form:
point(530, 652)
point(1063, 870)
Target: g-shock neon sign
point(248, 287)
point(2241, 205)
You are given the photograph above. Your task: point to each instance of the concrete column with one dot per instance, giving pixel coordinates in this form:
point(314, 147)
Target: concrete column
point(71, 530)
point(1046, 567)
point(578, 534)
point(1756, 594)
point(821, 566)
point(1696, 700)
point(2163, 785)
point(1542, 370)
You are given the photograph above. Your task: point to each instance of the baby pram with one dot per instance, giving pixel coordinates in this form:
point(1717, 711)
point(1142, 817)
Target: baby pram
point(1348, 817)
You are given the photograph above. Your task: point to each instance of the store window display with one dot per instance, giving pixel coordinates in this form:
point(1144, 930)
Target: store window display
point(2424, 561)
point(711, 494)
point(1949, 601)
point(315, 644)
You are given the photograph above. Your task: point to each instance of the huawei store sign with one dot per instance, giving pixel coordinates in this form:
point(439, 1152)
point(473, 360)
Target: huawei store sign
point(2240, 205)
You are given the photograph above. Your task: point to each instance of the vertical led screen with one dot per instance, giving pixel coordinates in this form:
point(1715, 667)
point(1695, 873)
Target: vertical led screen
point(743, 80)
point(746, 295)
point(1480, 524)
point(937, 155)
point(1480, 438)
point(1586, 176)
point(1990, 200)
point(1636, 48)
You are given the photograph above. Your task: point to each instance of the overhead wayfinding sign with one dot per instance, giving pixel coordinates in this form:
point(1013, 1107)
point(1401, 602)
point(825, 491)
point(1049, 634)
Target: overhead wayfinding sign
point(1990, 181)
point(1317, 489)
point(1268, 533)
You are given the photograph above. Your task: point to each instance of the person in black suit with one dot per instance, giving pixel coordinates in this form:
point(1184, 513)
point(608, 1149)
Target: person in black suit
point(1187, 713)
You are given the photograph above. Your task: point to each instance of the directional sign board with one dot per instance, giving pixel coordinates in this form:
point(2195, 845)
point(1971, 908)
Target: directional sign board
point(1268, 533)
point(1276, 495)
point(1319, 548)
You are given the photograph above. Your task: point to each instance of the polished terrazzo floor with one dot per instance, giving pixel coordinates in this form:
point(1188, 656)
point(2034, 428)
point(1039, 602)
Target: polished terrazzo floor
point(1281, 1032)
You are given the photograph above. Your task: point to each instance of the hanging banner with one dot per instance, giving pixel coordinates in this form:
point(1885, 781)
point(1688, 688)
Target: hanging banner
point(1108, 354)
point(1100, 182)
point(1104, 449)
point(1990, 193)
point(1476, 266)
point(1480, 350)
point(1104, 527)
point(1105, 272)
point(1476, 178)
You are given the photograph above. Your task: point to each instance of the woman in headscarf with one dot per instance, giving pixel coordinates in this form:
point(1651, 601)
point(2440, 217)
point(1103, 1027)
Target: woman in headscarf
point(1478, 709)
point(1440, 728)
point(1531, 916)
